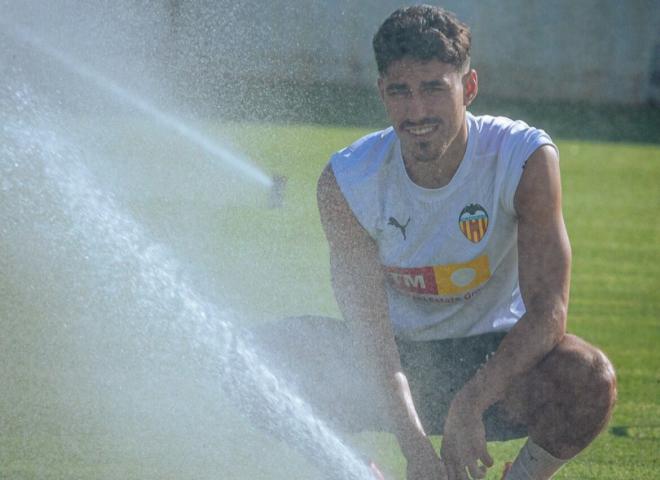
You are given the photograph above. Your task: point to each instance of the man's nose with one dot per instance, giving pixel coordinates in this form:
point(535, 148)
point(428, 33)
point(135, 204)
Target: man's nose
point(416, 108)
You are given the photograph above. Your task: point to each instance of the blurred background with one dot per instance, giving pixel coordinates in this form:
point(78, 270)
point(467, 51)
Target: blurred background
point(312, 61)
point(600, 51)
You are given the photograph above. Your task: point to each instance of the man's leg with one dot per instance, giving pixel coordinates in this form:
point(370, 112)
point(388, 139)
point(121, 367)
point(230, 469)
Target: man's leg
point(565, 401)
point(438, 369)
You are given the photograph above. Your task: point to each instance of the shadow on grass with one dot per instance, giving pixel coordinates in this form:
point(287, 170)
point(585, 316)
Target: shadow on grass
point(346, 105)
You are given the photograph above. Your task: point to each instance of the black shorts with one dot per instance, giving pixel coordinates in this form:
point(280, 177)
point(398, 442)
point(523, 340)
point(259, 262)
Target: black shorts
point(319, 359)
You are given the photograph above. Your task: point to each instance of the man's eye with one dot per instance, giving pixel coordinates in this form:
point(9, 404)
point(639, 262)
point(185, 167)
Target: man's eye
point(400, 92)
point(435, 89)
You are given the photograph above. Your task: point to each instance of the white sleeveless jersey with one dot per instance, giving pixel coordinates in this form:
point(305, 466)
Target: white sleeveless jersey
point(450, 254)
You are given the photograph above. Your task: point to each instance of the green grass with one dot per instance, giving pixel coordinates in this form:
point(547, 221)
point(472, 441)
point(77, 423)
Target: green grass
point(272, 263)
point(610, 196)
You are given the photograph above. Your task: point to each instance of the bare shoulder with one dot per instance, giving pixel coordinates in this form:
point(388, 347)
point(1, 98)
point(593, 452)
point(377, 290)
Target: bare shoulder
point(342, 229)
point(327, 188)
point(331, 202)
point(539, 190)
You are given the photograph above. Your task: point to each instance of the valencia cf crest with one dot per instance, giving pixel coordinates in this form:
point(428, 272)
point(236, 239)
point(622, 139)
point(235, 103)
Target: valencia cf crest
point(473, 222)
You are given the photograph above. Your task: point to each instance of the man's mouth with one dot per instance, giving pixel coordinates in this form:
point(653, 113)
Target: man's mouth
point(420, 130)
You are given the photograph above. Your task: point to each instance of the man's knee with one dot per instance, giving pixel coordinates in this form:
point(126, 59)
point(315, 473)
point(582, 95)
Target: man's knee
point(585, 371)
point(578, 382)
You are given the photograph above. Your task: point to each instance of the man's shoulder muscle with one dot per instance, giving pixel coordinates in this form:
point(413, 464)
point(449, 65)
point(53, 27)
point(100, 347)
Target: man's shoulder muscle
point(339, 223)
point(539, 190)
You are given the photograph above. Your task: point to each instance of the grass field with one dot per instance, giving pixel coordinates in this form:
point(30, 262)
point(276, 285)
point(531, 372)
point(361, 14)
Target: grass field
point(273, 263)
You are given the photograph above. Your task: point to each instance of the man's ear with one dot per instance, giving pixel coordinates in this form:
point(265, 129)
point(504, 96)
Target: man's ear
point(470, 86)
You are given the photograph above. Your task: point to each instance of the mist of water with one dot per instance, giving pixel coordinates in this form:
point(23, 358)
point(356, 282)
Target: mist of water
point(108, 352)
point(134, 294)
point(163, 119)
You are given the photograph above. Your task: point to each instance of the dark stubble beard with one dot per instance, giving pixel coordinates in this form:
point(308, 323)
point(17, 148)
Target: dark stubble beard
point(427, 152)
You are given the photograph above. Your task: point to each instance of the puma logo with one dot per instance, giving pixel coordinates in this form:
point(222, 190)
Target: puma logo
point(395, 223)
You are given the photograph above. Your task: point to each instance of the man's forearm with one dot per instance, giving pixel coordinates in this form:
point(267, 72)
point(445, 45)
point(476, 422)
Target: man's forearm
point(408, 427)
point(524, 346)
point(379, 346)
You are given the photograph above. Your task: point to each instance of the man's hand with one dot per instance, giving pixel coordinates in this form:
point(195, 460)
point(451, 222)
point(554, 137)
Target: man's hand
point(464, 442)
point(425, 464)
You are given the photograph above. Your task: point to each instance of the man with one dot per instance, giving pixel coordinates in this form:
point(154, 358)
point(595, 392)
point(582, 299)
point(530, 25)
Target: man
point(450, 263)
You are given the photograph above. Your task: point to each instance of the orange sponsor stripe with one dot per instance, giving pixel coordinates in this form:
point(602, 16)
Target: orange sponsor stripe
point(445, 283)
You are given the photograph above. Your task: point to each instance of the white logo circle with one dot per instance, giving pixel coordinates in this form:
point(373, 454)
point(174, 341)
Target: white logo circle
point(463, 276)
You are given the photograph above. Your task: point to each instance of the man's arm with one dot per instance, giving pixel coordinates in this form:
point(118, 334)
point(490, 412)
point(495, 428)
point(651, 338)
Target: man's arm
point(544, 258)
point(359, 285)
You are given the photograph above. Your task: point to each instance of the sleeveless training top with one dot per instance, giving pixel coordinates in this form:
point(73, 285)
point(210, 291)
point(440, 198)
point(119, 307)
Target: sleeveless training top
point(450, 254)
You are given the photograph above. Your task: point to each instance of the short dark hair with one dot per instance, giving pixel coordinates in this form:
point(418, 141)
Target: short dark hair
point(422, 32)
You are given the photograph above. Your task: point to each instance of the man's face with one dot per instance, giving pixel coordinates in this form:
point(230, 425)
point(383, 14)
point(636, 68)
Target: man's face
point(426, 104)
